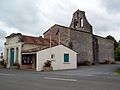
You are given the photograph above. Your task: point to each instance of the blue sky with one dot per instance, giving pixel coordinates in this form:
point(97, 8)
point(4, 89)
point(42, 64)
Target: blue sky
point(33, 17)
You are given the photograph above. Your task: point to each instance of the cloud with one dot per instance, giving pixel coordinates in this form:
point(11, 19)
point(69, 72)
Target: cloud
point(2, 34)
point(20, 14)
point(105, 23)
point(34, 17)
point(2, 45)
point(2, 38)
point(102, 17)
point(112, 6)
point(4, 27)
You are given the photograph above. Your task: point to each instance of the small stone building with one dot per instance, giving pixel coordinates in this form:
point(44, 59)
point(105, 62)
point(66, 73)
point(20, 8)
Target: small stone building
point(79, 37)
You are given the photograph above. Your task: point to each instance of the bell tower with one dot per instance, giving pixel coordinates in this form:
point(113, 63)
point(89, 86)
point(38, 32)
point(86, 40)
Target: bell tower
point(79, 22)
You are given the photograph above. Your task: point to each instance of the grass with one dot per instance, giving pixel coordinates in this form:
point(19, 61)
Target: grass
point(118, 71)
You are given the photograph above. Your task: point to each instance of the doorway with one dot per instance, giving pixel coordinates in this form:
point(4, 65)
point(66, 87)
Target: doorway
point(11, 56)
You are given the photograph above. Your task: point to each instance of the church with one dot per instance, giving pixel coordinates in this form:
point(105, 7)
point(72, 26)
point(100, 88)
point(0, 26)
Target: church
point(91, 49)
point(79, 37)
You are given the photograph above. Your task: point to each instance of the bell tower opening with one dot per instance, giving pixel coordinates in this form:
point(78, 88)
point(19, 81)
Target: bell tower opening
point(79, 22)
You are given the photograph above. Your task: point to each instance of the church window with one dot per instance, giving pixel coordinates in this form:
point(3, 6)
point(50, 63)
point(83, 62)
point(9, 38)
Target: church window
point(75, 23)
point(81, 22)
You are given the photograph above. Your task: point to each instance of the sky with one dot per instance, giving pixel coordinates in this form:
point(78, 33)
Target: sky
point(34, 17)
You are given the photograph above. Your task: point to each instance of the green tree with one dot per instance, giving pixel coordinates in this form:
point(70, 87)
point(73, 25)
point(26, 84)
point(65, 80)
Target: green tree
point(117, 51)
point(116, 44)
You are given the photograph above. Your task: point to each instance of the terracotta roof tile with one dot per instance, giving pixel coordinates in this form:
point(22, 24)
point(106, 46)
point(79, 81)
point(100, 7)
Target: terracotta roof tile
point(37, 49)
point(37, 40)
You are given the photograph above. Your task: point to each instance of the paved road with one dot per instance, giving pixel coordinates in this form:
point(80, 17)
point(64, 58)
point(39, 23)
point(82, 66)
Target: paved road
point(100, 77)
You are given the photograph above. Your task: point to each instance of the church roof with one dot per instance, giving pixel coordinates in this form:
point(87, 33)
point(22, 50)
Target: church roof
point(64, 27)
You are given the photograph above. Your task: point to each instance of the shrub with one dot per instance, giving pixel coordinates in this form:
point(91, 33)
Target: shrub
point(47, 63)
point(108, 62)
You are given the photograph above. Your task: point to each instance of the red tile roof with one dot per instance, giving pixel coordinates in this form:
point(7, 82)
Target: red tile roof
point(35, 49)
point(43, 42)
point(37, 40)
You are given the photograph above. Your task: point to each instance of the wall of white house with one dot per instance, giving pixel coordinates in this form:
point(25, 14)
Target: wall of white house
point(72, 64)
point(58, 60)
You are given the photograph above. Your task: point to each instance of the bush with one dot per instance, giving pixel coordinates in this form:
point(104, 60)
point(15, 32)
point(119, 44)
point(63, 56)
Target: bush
point(47, 63)
point(117, 54)
point(108, 62)
point(118, 71)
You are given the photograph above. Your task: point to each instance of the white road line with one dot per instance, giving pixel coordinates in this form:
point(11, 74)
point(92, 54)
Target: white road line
point(86, 70)
point(4, 74)
point(61, 79)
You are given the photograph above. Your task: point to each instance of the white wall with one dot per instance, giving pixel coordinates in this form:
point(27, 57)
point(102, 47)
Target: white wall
point(12, 43)
point(72, 58)
point(58, 62)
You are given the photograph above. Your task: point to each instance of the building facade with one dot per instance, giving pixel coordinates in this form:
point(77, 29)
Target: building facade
point(17, 47)
point(79, 37)
point(61, 58)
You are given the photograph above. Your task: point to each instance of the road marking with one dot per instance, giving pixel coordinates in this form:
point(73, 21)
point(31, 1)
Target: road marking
point(87, 70)
point(61, 79)
point(4, 74)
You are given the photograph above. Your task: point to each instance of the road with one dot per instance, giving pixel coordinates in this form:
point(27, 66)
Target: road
point(99, 77)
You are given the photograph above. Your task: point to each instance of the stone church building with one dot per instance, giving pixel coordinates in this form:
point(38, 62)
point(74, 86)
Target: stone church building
point(78, 36)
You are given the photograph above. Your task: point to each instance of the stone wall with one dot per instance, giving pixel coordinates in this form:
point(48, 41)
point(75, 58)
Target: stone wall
point(64, 33)
point(80, 22)
point(82, 44)
point(81, 41)
point(105, 49)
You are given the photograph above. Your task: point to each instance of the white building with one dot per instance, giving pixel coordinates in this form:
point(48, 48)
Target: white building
point(17, 45)
point(61, 57)
point(32, 52)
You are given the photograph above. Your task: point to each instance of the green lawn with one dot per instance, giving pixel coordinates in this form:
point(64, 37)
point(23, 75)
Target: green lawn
point(118, 71)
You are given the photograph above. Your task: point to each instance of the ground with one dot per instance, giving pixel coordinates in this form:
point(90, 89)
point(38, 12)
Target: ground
point(98, 77)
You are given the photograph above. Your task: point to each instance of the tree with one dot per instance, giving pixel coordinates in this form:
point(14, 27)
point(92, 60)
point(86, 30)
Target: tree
point(117, 51)
point(116, 44)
